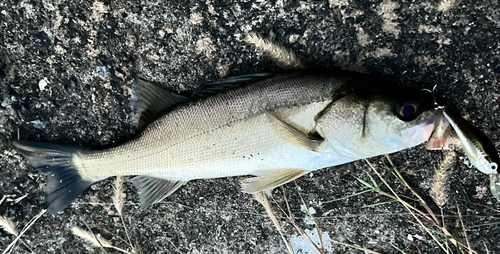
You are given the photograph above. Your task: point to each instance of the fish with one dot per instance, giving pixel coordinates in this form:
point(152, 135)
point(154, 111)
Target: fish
point(276, 127)
point(478, 148)
point(440, 137)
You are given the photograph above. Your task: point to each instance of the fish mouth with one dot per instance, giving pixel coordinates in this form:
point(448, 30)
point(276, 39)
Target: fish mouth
point(438, 139)
point(435, 131)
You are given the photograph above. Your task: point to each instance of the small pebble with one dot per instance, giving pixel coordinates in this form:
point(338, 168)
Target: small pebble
point(42, 84)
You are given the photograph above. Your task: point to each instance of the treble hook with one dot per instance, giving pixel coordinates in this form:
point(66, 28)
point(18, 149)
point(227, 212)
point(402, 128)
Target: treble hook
point(436, 105)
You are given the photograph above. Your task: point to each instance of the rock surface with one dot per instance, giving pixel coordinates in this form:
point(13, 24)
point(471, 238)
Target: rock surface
point(65, 73)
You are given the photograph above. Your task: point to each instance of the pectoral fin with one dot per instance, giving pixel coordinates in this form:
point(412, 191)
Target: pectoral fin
point(292, 135)
point(153, 190)
point(271, 179)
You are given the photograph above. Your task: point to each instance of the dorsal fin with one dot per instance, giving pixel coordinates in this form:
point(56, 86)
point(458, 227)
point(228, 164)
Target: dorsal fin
point(149, 101)
point(220, 85)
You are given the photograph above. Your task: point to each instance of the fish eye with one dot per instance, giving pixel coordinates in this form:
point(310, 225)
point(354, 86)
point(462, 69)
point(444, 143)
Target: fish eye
point(407, 110)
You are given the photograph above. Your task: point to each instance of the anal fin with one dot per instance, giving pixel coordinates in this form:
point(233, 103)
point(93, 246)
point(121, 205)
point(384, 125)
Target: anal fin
point(271, 179)
point(153, 190)
point(292, 135)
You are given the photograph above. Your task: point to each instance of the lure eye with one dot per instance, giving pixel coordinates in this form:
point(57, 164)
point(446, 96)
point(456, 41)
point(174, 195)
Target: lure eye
point(407, 110)
point(493, 166)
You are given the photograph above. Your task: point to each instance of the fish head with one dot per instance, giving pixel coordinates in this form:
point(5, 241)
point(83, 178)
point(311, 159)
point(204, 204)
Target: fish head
point(368, 122)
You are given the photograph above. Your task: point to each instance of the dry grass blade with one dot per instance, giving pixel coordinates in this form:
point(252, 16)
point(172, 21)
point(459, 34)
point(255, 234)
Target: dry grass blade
point(19, 199)
point(463, 228)
point(261, 197)
point(486, 248)
point(422, 201)
point(291, 220)
point(434, 220)
point(28, 226)
point(408, 208)
point(118, 199)
point(440, 185)
point(118, 195)
point(92, 239)
point(302, 232)
point(9, 226)
point(321, 248)
point(175, 247)
point(442, 221)
point(447, 5)
point(285, 57)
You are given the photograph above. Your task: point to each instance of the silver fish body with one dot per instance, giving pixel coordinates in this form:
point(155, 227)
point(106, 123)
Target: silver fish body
point(229, 134)
point(278, 128)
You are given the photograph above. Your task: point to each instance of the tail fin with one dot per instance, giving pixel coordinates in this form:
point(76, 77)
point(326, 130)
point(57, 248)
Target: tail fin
point(64, 183)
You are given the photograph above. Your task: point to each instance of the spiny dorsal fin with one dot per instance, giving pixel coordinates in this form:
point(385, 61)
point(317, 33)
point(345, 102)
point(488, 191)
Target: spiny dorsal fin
point(220, 85)
point(292, 135)
point(271, 179)
point(153, 190)
point(149, 101)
